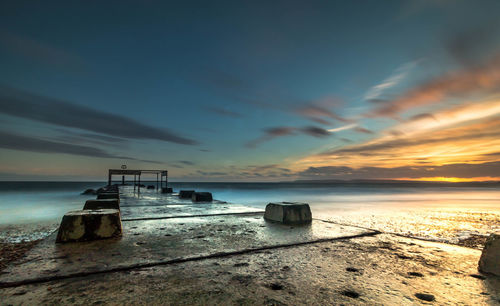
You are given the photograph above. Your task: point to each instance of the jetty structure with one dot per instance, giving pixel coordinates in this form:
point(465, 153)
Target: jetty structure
point(152, 247)
point(161, 176)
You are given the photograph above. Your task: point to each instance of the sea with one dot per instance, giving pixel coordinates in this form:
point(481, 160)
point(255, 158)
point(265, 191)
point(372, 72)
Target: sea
point(441, 212)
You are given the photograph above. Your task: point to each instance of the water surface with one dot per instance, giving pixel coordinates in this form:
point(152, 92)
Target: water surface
point(29, 210)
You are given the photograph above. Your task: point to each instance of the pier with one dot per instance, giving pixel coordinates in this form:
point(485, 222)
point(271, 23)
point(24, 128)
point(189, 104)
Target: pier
point(161, 176)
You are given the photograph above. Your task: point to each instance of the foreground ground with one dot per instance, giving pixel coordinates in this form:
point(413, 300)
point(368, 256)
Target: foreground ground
point(242, 259)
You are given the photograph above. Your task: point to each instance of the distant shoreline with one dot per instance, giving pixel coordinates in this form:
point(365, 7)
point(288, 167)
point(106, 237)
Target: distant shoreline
point(376, 182)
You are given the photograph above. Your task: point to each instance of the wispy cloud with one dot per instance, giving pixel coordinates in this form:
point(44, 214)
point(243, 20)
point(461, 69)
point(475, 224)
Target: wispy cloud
point(271, 133)
point(489, 170)
point(343, 128)
point(31, 144)
point(186, 162)
point(26, 105)
point(237, 89)
point(484, 78)
point(315, 131)
point(462, 134)
point(275, 132)
point(320, 111)
point(69, 136)
point(393, 80)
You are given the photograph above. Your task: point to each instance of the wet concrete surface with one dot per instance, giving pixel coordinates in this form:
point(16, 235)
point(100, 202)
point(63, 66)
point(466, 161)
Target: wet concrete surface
point(379, 270)
point(243, 259)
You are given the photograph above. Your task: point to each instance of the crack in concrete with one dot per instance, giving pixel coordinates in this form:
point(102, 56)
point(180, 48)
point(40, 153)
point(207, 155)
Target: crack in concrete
point(396, 234)
point(178, 260)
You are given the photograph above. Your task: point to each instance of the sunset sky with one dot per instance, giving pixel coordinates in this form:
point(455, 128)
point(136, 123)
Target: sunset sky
point(251, 91)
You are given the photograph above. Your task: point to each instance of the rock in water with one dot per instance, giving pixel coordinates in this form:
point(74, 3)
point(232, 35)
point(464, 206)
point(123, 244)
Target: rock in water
point(100, 190)
point(87, 225)
point(490, 258)
point(186, 194)
point(202, 197)
point(89, 191)
point(151, 187)
point(102, 204)
point(288, 213)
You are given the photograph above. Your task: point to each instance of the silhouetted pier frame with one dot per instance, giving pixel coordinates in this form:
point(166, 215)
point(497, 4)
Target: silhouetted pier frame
point(137, 176)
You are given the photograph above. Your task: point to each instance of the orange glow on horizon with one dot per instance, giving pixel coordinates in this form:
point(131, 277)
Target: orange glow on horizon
point(451, 179)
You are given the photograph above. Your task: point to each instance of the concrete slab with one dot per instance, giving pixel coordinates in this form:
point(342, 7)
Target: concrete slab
point(171, 210)
point(378, 270)
point(153, 241)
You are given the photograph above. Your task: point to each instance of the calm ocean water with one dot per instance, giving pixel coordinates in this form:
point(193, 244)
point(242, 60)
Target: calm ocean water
point(447, 213)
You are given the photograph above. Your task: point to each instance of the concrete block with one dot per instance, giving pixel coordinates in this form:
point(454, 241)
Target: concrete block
point(288, 213)
point(201, 197)
point(490, 257)
point(186, 194)
point(167, 190)
point(102, 204)
point(87, 225)
point(104, 196)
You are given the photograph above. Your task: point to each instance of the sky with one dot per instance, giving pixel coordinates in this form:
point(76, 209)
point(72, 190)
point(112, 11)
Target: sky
point(251, 90)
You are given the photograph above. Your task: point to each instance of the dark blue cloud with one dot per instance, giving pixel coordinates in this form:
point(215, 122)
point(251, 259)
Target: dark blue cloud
point(30, 106)
point(30, 144)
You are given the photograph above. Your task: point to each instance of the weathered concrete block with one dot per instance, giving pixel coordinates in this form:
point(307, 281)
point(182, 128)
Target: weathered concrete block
point(104, 196)
point(288, 213)
point(167, 190)
point(102, 204)
point(186, 194)
point(202, 197)
point(87, 225)
point(490, 258)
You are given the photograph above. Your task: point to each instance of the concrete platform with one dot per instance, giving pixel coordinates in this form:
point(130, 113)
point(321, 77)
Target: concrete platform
point(155, 241)
point(377, 270)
